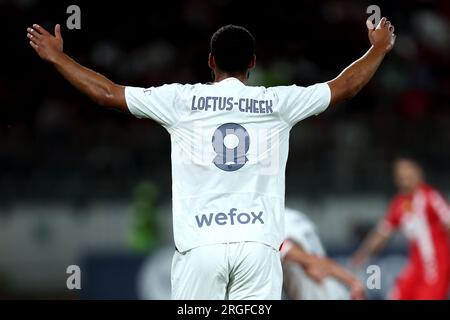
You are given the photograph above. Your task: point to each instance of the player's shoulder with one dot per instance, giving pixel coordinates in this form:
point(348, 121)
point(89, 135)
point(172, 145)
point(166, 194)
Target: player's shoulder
point(295, 86)
point(430, 192)
point(292, 212)
point(166, 88)
point(397, 200)
point(316, 89)
point(181, 87)
point(427, 188)
point(284, 89)
point(180, 91)
point(294, 215)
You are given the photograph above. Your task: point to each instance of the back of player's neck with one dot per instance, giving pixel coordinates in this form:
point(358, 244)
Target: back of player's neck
point(222, 76)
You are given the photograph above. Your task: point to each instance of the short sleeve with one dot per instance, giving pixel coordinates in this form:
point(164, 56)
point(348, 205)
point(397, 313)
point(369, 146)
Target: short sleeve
point(157, 103)
point(298, 103)
point(392, 217)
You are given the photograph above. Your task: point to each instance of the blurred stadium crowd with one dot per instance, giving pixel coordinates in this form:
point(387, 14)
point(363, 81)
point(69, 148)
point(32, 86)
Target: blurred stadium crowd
point(57, 146)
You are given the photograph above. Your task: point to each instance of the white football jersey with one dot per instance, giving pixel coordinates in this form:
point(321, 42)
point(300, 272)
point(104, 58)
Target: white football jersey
point(230, 145)
point(302, 231)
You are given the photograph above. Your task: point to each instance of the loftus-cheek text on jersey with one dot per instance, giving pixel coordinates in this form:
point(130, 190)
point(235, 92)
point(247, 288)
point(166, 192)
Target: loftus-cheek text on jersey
point(230, 145)
point(229, 103)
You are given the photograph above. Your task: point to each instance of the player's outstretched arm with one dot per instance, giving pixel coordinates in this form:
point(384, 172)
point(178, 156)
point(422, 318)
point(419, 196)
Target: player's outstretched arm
point(356, 76)
point(340, 273)
point(309, 262)
point(374, 242)
point(97, 87)
point(318, 268)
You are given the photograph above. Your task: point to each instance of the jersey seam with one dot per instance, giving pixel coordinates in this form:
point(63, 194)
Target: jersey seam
point(177, 98)
point(280, 116)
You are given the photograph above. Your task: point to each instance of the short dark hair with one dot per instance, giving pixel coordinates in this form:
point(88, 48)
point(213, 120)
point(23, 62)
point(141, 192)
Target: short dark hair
point(233, 48)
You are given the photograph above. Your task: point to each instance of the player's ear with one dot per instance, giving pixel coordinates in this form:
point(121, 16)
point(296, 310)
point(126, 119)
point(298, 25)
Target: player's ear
point(211, 62)
point(252, 63)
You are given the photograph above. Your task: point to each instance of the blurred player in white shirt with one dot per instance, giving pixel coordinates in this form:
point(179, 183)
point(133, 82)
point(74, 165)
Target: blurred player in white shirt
point(230, 145)
point(308, 274)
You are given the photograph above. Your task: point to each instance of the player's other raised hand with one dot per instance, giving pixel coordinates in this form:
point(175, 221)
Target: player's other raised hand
point(382, 37)
point(46, 45)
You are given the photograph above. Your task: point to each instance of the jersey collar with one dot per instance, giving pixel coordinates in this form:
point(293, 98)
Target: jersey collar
point(230, 79)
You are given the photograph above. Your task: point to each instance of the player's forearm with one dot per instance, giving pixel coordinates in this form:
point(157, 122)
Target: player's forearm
point(372, 245)
point(356, 76)
point(50, 48)
point(97, 87)
point(339, 273)
point(350, 81)
point(298, 255)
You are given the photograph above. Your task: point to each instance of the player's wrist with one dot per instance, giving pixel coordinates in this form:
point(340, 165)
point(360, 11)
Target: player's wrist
point(378, 50)
point(354, 283)
point(57, 58)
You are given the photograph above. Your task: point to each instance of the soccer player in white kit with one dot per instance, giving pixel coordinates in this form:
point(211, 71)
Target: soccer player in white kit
point(308, 273)
point(229, 150)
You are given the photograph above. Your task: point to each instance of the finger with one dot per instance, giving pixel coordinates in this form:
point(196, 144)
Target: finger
point(387, 24)
point(34, 45)
point(33, 38)
point(392, 29)
point(40, 29)
point(381, 23)
point(58, 31)
point(34, 33)
point(370, 25)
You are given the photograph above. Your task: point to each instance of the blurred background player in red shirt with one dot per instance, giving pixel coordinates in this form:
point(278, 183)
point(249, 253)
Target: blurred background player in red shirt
point(424, 217)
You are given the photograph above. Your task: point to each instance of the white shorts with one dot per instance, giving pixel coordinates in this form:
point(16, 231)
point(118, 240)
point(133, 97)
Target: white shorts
point(232, 271)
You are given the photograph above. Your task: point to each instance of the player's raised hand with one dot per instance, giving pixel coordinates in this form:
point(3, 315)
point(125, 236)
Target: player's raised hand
point(382, 37)
point(46, 45)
